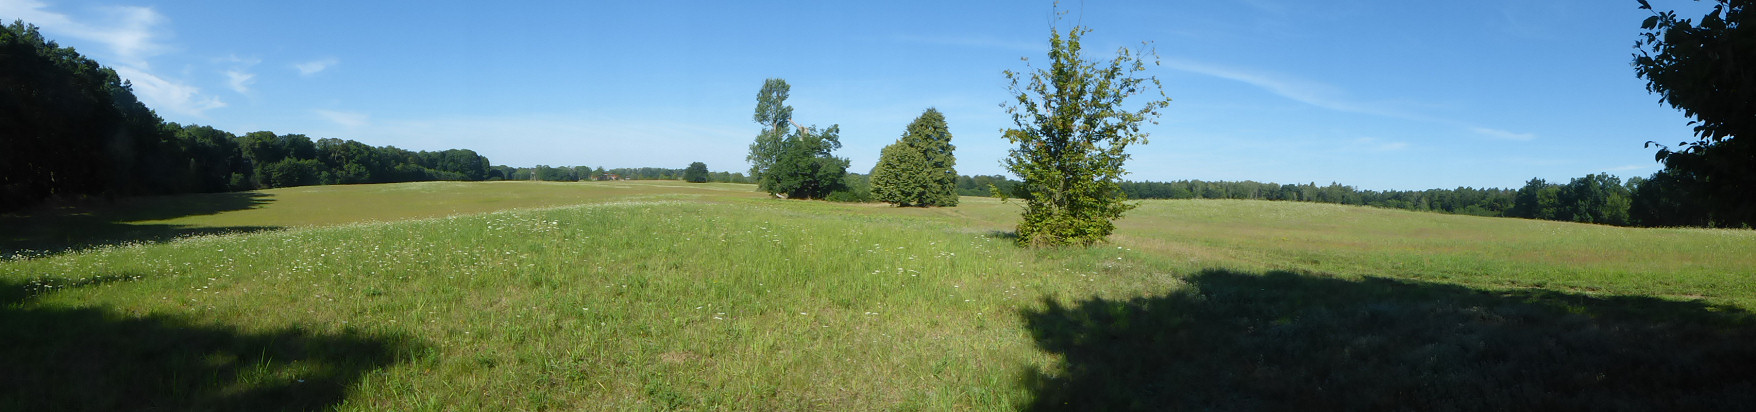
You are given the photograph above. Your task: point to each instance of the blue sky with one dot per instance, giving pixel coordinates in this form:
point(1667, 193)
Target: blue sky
point(1374, 94)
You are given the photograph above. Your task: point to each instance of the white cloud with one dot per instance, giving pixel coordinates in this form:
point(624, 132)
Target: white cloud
point(129, 33)
point(167, 95)
point(240, 81)
point(129, 36)
point(350, 120)
point(1503, 134)
point(315, 66)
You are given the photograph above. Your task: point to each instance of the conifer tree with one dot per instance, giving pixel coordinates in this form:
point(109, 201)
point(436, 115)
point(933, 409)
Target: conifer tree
point(919, 169)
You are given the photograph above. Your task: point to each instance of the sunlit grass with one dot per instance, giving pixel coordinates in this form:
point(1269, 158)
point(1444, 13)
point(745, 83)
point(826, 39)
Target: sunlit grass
point(664, 295)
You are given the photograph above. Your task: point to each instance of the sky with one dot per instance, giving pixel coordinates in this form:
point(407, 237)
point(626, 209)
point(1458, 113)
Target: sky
point(1380, 95)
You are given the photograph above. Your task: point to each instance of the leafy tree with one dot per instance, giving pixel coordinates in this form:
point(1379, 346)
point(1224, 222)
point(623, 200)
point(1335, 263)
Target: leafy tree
point(1706, 71)
point(806, 167)
point(774, 116)
point(1072, 134)
point(696, 173)
point(799, 164)
point(71, 128)
point(919, 169)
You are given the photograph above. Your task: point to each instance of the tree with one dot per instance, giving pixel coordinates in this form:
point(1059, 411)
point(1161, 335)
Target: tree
point(1072, 134)
point(1705, 70)
point(919, 169)
point(774, 115)
point(806, 167)
point(799, 164)
point(696, 173)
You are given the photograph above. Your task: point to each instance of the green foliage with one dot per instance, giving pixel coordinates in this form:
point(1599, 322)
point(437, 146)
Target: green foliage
point(1072, 134)
point(919, 169)
point(799, 164)
point(74, 129)
point(696, 173)
point(71, 128)
point(806, 168)
point(774, 116)
point(1704, 70)
point(856, 188)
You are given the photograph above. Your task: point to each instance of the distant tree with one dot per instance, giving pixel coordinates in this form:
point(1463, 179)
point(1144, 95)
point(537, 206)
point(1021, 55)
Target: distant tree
point(1072, 132)
point(775, 117)
point(1706, 70)
point(799, 164)
point(919, 168)
point(696, 173)
point(807, 167)
point(1597, 198)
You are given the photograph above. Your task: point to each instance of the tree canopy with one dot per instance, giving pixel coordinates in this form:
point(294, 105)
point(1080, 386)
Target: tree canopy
point(72, 129)
point(1705, 70)
point(696, 173)
point(794, 161)
point(919, 169)
point(1073, 128)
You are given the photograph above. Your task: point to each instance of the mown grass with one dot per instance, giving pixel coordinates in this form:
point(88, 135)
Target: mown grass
point(670, 296)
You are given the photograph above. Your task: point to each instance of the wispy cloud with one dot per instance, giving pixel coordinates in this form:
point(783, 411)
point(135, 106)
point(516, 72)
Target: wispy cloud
point(315, 66)
point(129, 33)
point(129, 37)
point(240, 81)
point(1503, 134)
point(1327, 96)
point(1304, 91)
point(169, 95)
point(346, 119)
point(975, 41)
point(1377, 145)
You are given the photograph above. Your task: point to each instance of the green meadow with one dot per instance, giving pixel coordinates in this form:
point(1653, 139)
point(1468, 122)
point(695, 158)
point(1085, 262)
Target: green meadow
point(674, 296)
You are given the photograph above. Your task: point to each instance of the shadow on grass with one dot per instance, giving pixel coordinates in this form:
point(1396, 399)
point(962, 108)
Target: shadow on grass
point(53, 230)
point(99, 360)
point(1285, 341)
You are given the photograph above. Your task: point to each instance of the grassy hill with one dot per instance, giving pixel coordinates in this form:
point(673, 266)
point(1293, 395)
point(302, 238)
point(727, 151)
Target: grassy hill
point(659, 295)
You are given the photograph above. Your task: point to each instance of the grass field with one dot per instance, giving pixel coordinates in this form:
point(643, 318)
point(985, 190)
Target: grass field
point(662, 295)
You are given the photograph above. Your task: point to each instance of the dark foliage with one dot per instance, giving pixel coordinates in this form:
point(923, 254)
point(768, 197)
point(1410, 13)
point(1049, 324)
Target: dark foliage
point(74, 131)
point(1704, 69)
point(696, 173)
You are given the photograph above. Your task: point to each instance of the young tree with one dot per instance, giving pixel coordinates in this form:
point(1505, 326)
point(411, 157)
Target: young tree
point(1072, 134)
point(1705, 70)
point(919, 169)
point(696, 173)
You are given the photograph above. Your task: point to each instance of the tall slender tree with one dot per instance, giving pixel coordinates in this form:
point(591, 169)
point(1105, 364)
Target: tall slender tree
point(1073, 130)
point(774, 115)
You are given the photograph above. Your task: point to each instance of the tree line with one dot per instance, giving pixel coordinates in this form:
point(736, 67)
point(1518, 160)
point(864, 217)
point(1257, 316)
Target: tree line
point(586, 173)
point(73, 129)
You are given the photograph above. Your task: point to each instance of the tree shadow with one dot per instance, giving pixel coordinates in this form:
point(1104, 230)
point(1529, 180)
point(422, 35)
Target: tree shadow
point(59, 359)
point(51, 230)
point(1286, 341)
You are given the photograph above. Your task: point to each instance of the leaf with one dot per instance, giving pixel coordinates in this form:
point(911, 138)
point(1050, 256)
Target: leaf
point(1650, 22)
